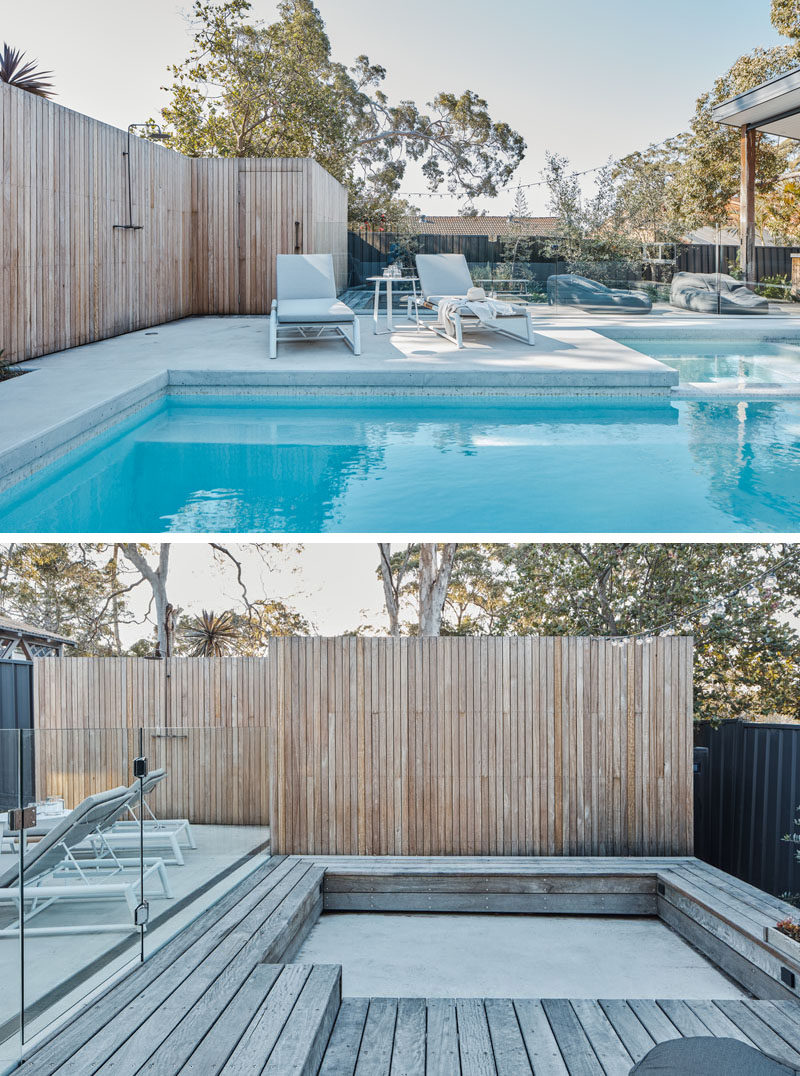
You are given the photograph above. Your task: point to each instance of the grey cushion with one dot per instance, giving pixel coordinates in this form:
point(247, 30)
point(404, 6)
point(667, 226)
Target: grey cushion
point(93, 813)
point(709, 1056)
point(576, 290)
point(297, 311)
point(443, 274)
point(305, 276)
point(708, 293)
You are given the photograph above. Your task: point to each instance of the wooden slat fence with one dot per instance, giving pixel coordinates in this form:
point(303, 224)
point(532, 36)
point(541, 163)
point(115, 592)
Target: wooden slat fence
point(210, 229)
point(481, 746)
point(204, 721)
point(473, 746)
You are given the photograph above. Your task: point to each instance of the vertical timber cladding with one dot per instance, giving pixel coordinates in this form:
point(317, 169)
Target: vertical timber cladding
point(249, 210)
point(205, 724)
point(205, 237)
point(481, 746)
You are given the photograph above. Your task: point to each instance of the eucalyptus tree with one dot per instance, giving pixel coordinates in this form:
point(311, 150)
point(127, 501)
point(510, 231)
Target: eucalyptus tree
point(250, 89)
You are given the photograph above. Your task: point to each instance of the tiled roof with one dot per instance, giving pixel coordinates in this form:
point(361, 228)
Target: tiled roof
point(490, 226)
point(9, 624)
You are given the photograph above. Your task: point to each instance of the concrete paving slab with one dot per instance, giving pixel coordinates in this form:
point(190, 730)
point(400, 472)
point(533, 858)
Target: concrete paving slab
point(511, 956)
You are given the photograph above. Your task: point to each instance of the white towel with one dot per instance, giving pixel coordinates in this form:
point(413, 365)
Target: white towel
point(485, 311)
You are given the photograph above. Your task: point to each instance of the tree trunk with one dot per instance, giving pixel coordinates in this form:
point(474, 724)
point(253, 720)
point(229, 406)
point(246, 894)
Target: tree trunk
point(434, 578)
point(157, 578)
point(390, 589)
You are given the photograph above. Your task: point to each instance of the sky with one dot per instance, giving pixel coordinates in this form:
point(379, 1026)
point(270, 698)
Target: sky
point(585, 79)
point(333, 585)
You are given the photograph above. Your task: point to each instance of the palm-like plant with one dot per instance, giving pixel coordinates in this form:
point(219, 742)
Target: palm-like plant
point(212, 636)
point(24, 76)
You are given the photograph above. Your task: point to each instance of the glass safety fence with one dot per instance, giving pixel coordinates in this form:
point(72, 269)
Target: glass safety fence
point(205, 816)
point(111, 842)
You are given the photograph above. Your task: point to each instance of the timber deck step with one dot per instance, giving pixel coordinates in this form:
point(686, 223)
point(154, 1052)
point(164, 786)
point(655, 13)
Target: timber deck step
point(549, 1037)
point(155, 1018)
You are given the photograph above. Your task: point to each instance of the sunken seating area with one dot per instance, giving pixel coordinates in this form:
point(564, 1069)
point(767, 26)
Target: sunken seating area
point(224, 997)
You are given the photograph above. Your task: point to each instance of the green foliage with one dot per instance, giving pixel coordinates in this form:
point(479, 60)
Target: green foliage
point(709, 174)
point(647, 194)
point(24, 76)
point(592, 237)
point(793, 839)
point(774, 287)
point(7, 370)
point(785, 17)
point(244, 633)
point(248, 89)
point(210, 635)
point(746, 658)
point(67, 589)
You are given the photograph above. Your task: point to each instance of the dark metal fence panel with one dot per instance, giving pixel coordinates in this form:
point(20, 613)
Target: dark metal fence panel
point(16, 712)
point(369, 254)
point(746, 800)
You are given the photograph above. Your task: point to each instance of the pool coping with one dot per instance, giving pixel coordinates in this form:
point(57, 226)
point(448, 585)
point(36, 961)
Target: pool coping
point(498, 372)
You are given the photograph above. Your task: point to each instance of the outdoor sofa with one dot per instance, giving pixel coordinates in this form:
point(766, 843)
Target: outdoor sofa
point(307, 307)
point(446, 287)
point(715, 293)
point(571, 289)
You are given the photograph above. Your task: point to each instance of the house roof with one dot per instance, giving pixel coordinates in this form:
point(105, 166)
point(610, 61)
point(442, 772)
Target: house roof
point(489, 226)
point(11, 626)
point(772, 107)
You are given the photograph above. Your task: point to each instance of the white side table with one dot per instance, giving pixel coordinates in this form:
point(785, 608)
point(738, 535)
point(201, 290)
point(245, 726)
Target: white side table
point(388, 281)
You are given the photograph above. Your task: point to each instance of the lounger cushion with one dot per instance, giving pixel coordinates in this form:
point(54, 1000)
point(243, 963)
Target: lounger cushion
point(305, 276)
point(296, 311)
point(711, 1057)
point(443, 275)
point(97, 811)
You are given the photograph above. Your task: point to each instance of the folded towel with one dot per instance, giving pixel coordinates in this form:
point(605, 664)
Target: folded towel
point(486, 310)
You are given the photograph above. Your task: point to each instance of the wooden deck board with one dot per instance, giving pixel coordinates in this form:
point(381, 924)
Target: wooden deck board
point(341, 1055)
point(221, 997)
point(548, 1037)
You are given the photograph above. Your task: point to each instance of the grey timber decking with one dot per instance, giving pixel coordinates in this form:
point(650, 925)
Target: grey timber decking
point(213, 993)
point(223, 996)
point(548, 1037)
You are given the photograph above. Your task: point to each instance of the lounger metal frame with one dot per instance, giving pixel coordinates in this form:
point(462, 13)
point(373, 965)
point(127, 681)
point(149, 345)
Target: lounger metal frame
point(42, 892)
point(470, 322)
point(311, 330)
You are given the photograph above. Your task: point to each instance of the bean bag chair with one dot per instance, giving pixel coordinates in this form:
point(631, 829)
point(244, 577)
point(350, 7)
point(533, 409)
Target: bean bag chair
point(570, 289)
point(709, 293)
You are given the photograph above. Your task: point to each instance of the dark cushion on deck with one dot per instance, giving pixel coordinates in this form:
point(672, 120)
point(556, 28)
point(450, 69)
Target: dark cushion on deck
point(709, 1056)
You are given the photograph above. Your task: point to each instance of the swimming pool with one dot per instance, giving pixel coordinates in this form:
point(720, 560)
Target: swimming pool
point(725, 363)
point(415, 464)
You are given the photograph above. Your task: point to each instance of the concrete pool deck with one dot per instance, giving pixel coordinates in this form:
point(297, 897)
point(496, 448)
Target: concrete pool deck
point(500, 956)
point(69, 396)
point(74, 394)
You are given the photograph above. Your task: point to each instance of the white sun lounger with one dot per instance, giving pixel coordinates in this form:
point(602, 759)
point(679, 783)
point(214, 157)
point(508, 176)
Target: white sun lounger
point(447, 277)
point(56, 871)
point(306, 307)
point(158, 832)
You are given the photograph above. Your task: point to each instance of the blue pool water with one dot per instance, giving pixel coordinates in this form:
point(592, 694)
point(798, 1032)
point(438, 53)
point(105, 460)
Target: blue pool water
point(433, 464)
point(731, 364)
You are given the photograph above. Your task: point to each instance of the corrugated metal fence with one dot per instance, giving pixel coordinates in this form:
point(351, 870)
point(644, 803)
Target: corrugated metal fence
point(746, 800)
point(16, 712)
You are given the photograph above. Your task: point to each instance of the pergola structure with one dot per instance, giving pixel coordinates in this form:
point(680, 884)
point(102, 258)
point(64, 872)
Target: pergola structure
point(20, 641)
point(771, 108)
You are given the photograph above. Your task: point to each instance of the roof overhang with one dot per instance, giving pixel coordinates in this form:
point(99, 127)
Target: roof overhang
point(773, 107)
